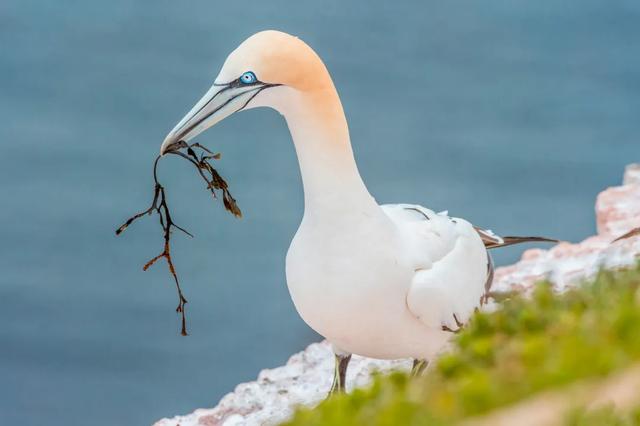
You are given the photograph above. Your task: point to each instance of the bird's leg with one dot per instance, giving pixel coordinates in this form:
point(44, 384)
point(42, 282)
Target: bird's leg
point(340, 373)
point(418, 367)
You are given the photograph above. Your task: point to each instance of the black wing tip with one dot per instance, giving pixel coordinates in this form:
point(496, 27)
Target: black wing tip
point(632, 233)
point(532, 239)
point(512, 240)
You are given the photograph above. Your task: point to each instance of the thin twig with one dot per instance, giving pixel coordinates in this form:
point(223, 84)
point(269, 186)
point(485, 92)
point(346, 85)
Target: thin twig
point(159, 205)
point(632, 233)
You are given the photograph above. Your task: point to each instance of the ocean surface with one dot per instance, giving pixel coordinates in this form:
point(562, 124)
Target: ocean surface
point(513, 114)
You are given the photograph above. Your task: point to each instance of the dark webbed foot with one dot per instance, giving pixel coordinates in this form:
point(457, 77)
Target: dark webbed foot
point(340, 374)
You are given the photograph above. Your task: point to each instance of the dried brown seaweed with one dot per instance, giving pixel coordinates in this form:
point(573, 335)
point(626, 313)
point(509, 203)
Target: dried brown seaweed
point(200, 157)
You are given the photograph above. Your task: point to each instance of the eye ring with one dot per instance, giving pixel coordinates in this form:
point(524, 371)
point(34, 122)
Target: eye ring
point(248, 78)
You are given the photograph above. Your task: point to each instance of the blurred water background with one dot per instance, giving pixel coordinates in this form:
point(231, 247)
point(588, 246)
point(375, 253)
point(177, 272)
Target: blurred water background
point(513, 114)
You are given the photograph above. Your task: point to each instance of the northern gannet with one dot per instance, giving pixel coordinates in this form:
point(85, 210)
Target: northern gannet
point(382, 281)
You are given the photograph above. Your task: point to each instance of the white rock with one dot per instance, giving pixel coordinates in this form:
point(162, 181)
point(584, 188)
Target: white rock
point(304, 380)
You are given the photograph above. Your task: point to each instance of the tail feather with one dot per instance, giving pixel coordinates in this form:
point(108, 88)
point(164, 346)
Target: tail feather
point(511, 240)
point(492, 240)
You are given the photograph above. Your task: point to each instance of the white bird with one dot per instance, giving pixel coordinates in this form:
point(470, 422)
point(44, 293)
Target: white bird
point(382, 281)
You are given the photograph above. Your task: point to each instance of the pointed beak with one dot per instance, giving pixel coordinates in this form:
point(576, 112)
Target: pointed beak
point(220, 101)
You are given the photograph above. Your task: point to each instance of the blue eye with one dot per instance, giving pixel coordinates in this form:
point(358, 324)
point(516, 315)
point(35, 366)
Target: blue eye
point(248, 78)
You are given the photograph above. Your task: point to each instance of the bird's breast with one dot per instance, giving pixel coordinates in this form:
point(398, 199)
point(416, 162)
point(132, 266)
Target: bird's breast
point(347, 275)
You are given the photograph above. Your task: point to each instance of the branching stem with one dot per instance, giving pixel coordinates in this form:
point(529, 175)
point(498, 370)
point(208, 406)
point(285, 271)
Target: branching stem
point(159, 205)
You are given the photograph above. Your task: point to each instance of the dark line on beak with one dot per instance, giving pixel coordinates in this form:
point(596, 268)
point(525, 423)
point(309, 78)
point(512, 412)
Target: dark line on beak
point(197, 123)
point(266, 86)
point(212, 98)
point(231, 84)
point(194, 125)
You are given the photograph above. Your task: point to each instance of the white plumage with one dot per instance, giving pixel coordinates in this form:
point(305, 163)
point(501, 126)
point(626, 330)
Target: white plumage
point(391, 281)
point(442, 293)
point(387, 285)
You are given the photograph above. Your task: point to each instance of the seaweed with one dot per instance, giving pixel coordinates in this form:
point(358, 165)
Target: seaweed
point(200, 157)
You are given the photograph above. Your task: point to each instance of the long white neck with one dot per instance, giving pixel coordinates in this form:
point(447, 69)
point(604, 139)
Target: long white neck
point(332, 183)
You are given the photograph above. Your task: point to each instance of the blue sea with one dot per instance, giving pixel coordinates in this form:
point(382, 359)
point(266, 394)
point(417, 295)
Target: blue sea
point(513, 114)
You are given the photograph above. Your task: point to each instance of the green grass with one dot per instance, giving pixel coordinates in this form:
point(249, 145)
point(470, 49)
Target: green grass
point(525, 346)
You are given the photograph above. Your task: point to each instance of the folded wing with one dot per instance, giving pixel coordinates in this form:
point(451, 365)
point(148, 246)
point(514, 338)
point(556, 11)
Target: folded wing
point(450, 264)
point(453, 270)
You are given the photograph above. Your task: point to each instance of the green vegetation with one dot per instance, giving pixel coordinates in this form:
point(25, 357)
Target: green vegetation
point(527, 345)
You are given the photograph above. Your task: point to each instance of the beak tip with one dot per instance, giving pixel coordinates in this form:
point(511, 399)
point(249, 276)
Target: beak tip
point(171, 143)
point(166, 144)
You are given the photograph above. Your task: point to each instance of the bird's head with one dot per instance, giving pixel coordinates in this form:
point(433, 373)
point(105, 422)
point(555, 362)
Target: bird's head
point(265, 70)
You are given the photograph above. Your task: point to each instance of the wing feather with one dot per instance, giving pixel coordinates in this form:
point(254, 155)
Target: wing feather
point(453, 268)
point(450, 262)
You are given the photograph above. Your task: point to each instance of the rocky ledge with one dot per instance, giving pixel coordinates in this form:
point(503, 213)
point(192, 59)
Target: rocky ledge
point(305, 379)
